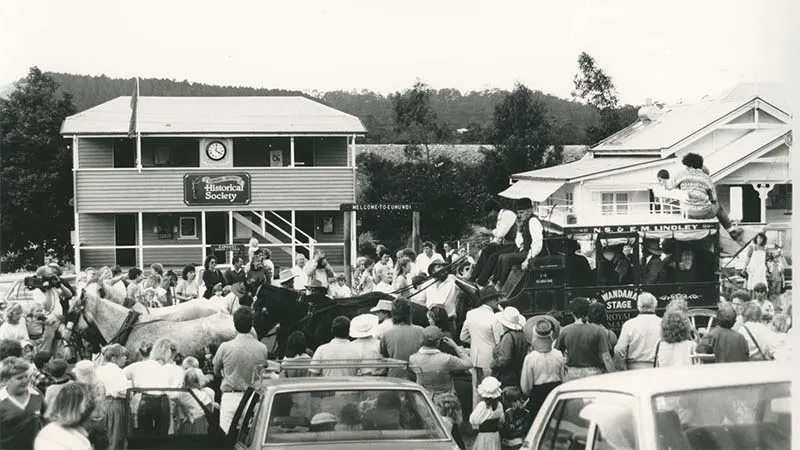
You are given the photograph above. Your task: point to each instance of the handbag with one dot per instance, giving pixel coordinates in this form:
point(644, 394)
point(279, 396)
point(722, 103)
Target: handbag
point(758, 347)
point(655, 358)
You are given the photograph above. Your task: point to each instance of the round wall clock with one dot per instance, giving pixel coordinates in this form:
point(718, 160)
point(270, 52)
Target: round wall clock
point(216, 150)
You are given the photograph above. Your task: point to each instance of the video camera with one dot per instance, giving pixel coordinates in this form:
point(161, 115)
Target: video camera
point(43, 284)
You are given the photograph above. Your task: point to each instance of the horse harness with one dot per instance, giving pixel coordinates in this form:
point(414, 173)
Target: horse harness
point(93, 335)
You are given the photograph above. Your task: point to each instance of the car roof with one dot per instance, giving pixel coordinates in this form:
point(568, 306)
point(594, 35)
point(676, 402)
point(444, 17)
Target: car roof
point(339, 383)
point(649, 382)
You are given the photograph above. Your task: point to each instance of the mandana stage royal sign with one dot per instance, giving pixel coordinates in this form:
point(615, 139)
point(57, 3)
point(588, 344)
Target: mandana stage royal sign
point(216, 189)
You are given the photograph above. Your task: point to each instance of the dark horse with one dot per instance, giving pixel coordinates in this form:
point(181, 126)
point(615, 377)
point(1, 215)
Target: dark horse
point(313, 314)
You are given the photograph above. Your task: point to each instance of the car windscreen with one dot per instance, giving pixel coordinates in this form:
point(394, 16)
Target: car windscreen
point(352, 415)
point(752, 416)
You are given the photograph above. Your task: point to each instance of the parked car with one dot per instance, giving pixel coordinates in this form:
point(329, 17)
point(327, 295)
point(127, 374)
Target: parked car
point(321, 412)
point(715, 406)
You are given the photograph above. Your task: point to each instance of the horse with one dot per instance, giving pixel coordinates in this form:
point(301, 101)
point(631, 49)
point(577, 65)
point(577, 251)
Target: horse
point(313, 314)
point(113, 322)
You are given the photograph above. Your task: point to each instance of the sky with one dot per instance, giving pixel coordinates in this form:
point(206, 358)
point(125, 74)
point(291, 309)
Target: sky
point(668, 51)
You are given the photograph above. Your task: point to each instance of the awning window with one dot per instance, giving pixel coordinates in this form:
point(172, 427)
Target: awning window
point(536, 190)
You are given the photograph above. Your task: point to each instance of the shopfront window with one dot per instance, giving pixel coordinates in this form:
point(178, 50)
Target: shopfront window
point(188, 228)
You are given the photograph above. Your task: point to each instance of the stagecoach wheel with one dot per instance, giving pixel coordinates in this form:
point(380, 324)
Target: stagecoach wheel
point(702, 320)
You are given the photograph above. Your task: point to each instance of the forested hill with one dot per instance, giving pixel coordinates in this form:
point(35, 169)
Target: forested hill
point(470, 110)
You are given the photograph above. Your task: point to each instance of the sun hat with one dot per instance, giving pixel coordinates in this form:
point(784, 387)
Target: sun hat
point(543, 336)
point(83, 370)
point(530, 327)
point(490, 388)
point(285, 276)
point(362, 325)
point(489, 293)
point(324, 417)
point(383, 305)
point(510, 318)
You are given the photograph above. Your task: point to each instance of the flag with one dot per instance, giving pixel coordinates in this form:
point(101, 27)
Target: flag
point(134, 104)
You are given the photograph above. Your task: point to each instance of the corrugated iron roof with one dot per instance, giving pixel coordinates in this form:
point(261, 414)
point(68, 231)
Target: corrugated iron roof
point(585, 167)
point(213, 115)
point(683, 120)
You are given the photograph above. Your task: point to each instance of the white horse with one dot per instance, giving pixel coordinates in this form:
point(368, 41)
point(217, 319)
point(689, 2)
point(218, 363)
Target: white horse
point(191, 336)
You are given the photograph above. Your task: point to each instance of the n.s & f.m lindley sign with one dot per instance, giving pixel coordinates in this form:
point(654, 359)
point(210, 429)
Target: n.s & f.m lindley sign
point(216, 189)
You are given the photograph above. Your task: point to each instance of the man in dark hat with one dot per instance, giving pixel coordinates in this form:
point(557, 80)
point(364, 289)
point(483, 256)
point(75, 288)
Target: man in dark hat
point(502, 241)
point(529, 242)
point(578, 272)
point(482, 332)
point(652, 265)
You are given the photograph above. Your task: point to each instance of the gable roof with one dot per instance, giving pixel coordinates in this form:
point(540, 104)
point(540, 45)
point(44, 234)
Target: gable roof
point(214, 115)
point(681, 121)
point(584, 167)
point(737, 153)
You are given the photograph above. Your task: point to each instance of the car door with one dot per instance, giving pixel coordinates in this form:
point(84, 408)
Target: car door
point(586, 420)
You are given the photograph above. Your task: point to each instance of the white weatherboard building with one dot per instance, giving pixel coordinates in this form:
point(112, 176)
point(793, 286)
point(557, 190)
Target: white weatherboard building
point(743, 133)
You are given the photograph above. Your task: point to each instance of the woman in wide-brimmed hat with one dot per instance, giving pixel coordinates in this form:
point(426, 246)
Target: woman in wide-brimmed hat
point(488, 415)
point(510, 351)
point(543, 368)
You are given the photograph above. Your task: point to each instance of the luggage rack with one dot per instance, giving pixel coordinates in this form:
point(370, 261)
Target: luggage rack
point(273, 368)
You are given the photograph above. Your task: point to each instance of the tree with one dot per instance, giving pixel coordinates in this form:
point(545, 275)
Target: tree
point(592, 85)
point(597, 89)
point(36, 173)
point(522, 137)
point(416, 122)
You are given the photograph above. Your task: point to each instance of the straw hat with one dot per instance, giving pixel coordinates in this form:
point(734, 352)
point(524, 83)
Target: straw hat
point(362, 325)
point(324, 417)
point(530, 326)
point(543, 336)
point(383, 305)
point(511, 318)
point(285, 276)
point(490, 388)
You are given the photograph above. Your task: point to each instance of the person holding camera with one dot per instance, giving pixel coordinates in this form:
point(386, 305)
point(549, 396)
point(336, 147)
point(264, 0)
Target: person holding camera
point(49, 291)
point(319, 269)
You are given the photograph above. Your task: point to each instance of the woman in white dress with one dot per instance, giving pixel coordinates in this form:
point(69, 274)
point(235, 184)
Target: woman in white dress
point(756, 264)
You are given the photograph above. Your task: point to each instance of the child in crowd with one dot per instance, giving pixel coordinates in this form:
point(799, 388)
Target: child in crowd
point(35, 322)
point(488, 415)
point(190, 362)
point(192, 415)
point(340, 288)
point(517, 418)
point(39, 379)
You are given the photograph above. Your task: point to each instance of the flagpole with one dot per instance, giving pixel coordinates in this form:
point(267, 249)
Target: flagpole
point(138, 133)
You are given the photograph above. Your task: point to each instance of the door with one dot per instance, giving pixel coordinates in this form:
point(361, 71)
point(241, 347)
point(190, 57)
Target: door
point(125, 234)
point(216, 233)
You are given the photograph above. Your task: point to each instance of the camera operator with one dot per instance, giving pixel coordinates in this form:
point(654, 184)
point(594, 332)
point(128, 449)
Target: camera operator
point(319, 269)
point(50, 291)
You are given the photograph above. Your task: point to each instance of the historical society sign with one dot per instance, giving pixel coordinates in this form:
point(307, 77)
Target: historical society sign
point(216, 189)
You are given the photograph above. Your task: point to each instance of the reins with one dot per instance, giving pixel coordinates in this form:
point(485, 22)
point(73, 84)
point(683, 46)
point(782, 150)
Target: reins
point(353, 301)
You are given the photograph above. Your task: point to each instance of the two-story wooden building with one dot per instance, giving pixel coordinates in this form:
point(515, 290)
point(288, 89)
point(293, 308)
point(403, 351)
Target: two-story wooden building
point(203, 173)
point(744, 134)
